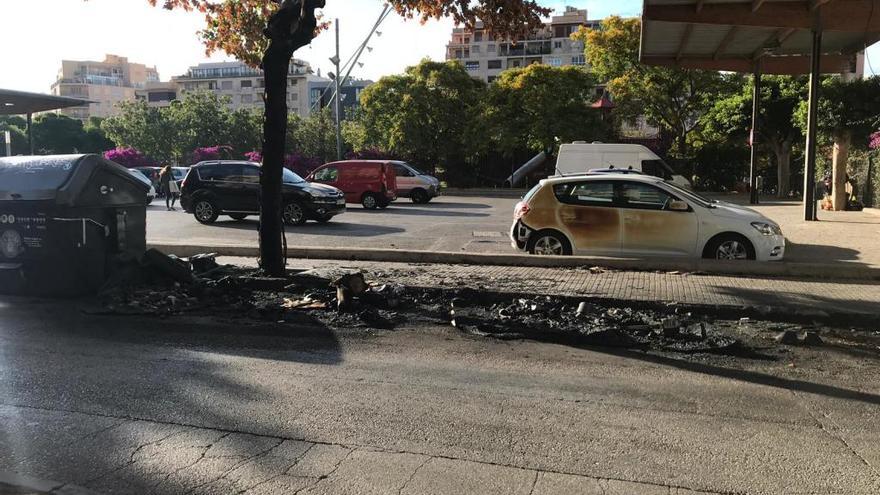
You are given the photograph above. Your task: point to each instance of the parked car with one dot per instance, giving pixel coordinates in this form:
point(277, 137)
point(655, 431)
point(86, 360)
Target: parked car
point(579, 157)
point(414, 184)
point(372, 183)
point(225, 187)
point(151, 194)
point(638, 215)
point(179, 173)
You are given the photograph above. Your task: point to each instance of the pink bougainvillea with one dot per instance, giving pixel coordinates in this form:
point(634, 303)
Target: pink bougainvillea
point(129, 157)
point(296, 162)
point(874, 141)
point(210, 153)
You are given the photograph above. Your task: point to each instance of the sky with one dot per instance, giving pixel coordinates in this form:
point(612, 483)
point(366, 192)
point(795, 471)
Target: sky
point(38, 34)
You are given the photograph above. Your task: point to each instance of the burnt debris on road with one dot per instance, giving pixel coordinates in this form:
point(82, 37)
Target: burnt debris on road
point(349, 299)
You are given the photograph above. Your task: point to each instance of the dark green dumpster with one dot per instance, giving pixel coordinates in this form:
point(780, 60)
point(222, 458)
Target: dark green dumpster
point(64, 220)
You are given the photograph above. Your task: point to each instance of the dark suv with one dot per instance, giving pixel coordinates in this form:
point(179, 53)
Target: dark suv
point(232, 188)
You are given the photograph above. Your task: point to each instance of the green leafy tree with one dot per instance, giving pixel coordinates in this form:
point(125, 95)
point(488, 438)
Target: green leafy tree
point(95, 140)
point(244, 131)
point(57, 134)
point(428, 115)
point(200, 119)
point(539, 105)
point(730, 119)
point(145, 128)
point(672, 98)
point(315, 136)
point(848, 113)
point(16, 127)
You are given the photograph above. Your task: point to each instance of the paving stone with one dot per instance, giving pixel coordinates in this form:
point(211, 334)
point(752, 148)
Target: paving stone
point(367, 472)
point(450, 477)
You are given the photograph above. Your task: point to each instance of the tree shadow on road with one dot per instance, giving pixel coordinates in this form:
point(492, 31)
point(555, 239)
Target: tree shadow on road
point(135, 404)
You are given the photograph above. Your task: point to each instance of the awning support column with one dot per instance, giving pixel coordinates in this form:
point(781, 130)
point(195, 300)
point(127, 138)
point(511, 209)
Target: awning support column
point(30, 132)
point(753, 138)
point(810, 165)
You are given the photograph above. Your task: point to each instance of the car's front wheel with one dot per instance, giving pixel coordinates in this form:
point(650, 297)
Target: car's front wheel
point(729, 247)
point(370, 201)
point(294, 214)
point(205, 211)
point(549, 243)
point(419, 196)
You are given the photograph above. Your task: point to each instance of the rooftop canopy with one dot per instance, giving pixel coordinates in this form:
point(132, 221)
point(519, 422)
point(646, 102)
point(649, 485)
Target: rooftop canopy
point(22, 103)
point(735, 35)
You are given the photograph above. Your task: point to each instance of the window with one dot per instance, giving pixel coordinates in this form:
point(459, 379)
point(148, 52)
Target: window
point(220, 172)
point(495, 64)
point(472, 65)
point(475, 49)
point(643, 196)
point(515, 63)
point(226, 85)
point(328, 174)
point(557, 44)
point(250, 174)
point(402, 171)
point(478, 36)
point(247, 83)
point(491, 78)
point(593, 193)
point(555, 61)
point(578, 60)
point(467, 41)
point(490, 48)
point(247, 99)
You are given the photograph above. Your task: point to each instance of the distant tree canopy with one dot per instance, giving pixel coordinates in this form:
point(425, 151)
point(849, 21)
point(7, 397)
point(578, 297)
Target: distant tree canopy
point(56, 134)
point(672, 98)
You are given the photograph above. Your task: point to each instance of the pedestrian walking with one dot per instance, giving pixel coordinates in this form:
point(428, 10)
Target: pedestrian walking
point(169, 187)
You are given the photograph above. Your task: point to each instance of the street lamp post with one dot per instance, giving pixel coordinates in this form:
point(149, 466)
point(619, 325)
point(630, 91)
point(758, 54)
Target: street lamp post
point(336, 100)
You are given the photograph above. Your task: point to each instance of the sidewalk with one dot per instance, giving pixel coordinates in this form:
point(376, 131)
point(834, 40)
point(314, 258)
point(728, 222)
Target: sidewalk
point(807, 297)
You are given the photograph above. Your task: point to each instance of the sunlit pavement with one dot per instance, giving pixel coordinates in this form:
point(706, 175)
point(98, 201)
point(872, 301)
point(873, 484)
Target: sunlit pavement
point(132, 405)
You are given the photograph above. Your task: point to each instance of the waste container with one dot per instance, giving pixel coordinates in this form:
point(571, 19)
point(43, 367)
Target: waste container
point(64, 220)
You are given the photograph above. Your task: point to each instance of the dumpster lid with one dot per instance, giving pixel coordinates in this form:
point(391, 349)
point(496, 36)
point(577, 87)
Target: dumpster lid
point(35, 177)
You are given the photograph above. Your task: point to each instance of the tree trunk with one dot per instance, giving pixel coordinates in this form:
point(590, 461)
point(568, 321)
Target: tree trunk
point(291, 27)
point(276, 63)
point(841, 157)
point(783, 169)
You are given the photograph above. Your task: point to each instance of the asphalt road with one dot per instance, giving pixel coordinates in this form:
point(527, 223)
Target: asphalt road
point(137, 405)
point(445, 224)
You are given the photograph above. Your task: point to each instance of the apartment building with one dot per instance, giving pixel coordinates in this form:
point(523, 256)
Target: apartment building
point(485, 56)
point(321, 94)
point(105, 83)
point(158, 94)
point(243, 85)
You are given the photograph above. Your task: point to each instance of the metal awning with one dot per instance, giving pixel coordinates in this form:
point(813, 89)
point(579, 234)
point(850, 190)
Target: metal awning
point(23, 103)
point(763, 37)
point(734, 35)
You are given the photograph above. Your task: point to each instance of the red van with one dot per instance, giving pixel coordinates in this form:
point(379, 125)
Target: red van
point(372, 183)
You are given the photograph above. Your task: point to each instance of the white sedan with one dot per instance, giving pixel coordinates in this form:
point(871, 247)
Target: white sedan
point(638, 215)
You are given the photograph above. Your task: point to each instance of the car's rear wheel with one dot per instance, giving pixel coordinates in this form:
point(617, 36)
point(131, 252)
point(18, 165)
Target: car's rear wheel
point(549, 243)
point(294, 214)
point(729, 247)
point(205, 211)
point(238, 216)
point(370, 201)
point(419, 196)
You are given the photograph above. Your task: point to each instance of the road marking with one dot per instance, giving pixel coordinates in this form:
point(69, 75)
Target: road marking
point(479, 233)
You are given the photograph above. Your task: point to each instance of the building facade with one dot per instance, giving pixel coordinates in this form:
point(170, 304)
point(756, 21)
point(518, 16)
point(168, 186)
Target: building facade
point(485, 56)
point(321, 94)
point(244, 85)
point(105, 83)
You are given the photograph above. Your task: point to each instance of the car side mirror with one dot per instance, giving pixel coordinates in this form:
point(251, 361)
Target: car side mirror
point(677, 205)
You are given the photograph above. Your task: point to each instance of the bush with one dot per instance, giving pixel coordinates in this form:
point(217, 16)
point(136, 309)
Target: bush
point(129, 157)
point(720, 166)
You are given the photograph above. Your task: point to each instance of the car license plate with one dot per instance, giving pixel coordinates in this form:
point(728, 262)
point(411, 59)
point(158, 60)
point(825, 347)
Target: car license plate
point(340, 201)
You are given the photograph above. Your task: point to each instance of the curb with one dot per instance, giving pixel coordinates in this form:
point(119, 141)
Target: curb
point(714, 267)
point(484, 193)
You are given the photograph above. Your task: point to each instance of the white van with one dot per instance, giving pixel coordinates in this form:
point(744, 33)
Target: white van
point(579, 158)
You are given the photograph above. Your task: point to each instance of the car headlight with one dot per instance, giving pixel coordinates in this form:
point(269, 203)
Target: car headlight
point(767, 228)
point(11, 244)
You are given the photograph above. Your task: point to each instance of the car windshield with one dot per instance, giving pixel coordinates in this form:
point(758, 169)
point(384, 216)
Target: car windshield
point(701, 200)
point(290, 177)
